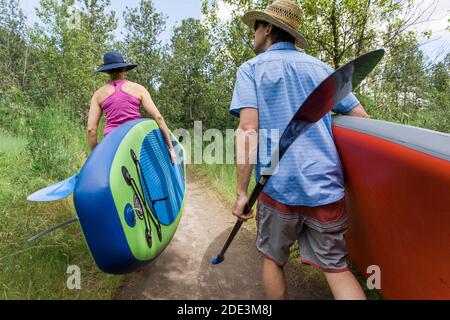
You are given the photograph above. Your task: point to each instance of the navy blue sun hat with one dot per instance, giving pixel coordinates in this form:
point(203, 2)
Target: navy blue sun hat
point(114, 60)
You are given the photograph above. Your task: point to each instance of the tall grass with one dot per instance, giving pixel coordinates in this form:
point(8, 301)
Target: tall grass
point(50, 147)
point(57, 143)
point(10, 144)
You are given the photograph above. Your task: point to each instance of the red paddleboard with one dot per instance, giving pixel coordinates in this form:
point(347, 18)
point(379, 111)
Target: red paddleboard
point(398, 198)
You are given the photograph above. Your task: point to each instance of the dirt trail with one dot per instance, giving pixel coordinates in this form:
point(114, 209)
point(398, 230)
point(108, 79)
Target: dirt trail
point(184, 270)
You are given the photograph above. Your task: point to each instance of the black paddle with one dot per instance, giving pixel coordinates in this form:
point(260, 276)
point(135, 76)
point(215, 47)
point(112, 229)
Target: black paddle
point(328, 94)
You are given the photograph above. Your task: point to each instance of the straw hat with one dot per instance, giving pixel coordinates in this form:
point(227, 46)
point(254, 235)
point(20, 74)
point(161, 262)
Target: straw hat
point(283, 14)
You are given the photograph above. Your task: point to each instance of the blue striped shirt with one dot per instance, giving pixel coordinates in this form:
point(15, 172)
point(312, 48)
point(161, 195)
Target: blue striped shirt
point(277, 83)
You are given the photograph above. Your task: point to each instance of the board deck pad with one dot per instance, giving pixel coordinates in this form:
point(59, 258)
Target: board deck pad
point(158, 172)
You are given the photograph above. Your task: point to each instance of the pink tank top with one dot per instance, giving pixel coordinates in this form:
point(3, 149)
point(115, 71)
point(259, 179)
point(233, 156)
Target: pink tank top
point(120, 107)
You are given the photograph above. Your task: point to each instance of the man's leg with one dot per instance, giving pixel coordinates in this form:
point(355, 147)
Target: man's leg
point(274, 280)
point(344, 286)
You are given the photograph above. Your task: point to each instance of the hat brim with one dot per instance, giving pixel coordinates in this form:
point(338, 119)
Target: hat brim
point(115, 66)
point(257, 15)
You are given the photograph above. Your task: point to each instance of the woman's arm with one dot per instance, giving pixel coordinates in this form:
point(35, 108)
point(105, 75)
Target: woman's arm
point(153, 112)
point(95, 114)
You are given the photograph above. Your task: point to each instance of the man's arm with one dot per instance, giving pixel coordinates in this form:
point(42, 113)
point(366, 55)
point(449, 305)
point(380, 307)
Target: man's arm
point(154, 113)
point(246, 151)
point(358, 112)
point(95, 114)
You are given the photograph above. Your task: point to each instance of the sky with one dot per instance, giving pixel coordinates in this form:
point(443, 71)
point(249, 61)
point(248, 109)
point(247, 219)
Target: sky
point(176, 10)
point(435, 15)
point(435, 12)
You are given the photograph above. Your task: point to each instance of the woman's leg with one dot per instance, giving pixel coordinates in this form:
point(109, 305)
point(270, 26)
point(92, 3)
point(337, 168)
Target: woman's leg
point(274, 281)
point(344, 286)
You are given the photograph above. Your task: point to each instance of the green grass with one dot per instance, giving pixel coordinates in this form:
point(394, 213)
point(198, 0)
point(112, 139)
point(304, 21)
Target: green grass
point(10, 144)
point(38, 270)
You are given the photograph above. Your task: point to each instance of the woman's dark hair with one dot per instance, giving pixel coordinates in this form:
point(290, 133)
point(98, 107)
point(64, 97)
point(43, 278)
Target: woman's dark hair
point(114, 73)
point(277, 34)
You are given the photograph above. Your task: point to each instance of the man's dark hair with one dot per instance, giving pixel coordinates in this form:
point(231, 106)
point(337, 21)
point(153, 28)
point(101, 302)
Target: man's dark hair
point(277, 34)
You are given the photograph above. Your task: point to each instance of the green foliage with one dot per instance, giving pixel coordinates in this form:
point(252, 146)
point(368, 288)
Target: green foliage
point(13, 52)
point(142, 44)
point(399, 90)
point(192, 77)
point(11, 144)
point(57, 144)
point(68, 49)
point(38, 270)
point(13, 110)
point(49, 147)
point(439, 78)
point(187, 91)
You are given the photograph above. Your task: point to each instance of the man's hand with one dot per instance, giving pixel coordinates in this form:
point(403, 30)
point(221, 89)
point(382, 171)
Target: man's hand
point(239, 207)
point(359, 112)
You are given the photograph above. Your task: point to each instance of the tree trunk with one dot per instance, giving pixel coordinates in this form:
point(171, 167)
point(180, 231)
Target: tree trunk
point(335, 36)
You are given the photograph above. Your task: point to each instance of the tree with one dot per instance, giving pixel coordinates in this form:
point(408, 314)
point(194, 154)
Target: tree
point(336, 30)
point(69, 44)
point(404, 79)
point(185, 94)
point(142, 44)
point(13, 48)
point(440, 75)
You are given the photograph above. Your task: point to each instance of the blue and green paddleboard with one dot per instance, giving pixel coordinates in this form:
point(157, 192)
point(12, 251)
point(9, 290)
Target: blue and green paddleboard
point(129, 196)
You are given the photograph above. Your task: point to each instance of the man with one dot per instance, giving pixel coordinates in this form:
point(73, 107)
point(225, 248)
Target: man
point(304, 199)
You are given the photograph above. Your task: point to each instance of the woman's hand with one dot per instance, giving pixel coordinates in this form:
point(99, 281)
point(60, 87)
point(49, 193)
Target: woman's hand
point(173, 155)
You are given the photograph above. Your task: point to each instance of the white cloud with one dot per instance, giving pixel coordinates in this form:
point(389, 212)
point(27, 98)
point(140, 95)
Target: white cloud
point(433, 16)
point(225, 10)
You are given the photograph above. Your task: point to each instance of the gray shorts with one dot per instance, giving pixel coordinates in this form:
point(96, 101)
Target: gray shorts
point(321, 245)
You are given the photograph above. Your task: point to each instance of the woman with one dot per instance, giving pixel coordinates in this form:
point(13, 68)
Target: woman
point(121, 100)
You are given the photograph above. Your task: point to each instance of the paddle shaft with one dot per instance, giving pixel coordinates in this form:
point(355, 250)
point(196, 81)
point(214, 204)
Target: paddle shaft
point(50, 230)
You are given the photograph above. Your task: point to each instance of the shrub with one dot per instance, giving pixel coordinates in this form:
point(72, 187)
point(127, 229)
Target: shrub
point(14, 107)
point(57, 142)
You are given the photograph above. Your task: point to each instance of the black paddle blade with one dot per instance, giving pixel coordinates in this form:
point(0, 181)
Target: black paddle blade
point(328, 94)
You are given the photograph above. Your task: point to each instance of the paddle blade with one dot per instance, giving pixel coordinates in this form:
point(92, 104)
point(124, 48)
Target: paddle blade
point(337, 87)
point(55, 192)
point(328, 94)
